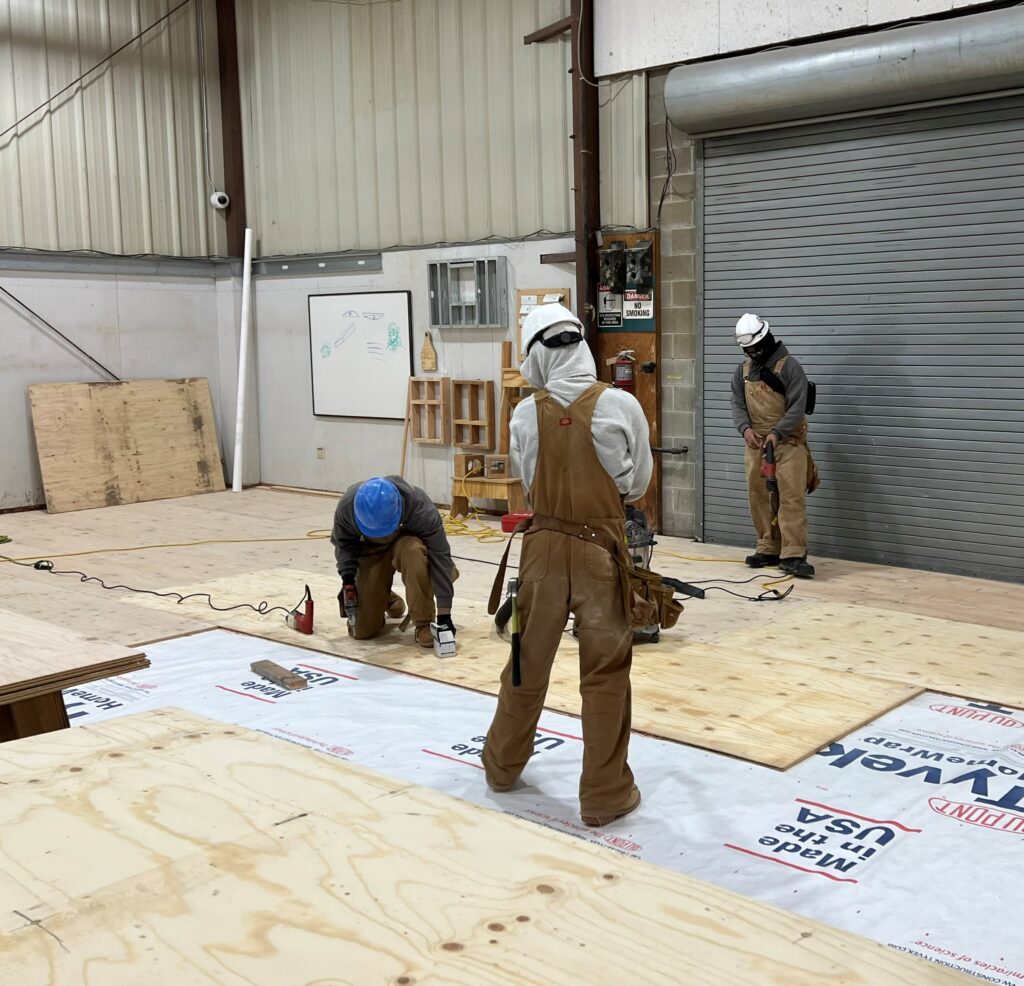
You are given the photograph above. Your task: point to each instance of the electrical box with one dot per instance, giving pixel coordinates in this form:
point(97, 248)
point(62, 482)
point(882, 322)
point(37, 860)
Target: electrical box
point(470, 293)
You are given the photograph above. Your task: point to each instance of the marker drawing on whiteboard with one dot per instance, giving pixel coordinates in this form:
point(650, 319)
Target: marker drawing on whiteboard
point(376, 351)
point(350, 314)
point(345, 333)
point(373, 316)
point(394, 338)
point(325, 351)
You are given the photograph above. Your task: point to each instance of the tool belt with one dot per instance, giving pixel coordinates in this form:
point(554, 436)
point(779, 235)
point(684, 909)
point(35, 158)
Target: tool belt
point(646, 599)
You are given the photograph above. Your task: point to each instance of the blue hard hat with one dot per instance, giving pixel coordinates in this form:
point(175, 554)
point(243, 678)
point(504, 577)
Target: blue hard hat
point(378, 508)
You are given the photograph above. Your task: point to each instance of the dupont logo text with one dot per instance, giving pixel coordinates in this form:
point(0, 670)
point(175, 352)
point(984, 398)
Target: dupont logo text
point(1000, 821)
point(977, 715)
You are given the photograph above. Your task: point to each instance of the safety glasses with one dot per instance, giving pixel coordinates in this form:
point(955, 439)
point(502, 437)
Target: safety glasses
point(557, 341)
point(747, 340)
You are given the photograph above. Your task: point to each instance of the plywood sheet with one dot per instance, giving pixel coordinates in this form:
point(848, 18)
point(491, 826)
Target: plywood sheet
point(166, 848)
point(102, 444)
point(38, 657)
point(765, 709)
point(964, 659)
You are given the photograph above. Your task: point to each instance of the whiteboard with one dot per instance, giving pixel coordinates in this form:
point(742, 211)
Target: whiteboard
point(360, 351)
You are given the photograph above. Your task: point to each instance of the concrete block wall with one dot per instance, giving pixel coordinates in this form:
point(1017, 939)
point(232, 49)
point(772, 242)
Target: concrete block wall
point(677, 310)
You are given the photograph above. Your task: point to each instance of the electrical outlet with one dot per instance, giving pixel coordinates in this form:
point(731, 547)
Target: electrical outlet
point(320, 453)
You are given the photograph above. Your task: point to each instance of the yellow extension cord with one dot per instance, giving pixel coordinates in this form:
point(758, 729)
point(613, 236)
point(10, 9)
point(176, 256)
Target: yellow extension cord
point(453, 527)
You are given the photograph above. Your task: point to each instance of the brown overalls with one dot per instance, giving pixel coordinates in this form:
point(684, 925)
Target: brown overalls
point(559, 575)
point(788, 538)
point(379, 559)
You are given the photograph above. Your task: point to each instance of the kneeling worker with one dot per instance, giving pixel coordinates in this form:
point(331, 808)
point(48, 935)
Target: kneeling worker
point(383, 526)
point(769, 403)
point(581, 448)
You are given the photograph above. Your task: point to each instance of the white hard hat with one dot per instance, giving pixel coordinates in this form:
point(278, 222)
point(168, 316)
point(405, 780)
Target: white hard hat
point(544, 317)
point(751, 329)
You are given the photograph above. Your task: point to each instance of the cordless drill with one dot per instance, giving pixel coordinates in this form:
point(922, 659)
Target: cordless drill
point(350, 604)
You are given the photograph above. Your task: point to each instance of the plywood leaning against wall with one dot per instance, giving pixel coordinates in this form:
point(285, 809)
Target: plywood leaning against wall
point(257, 861)
point(103, 444)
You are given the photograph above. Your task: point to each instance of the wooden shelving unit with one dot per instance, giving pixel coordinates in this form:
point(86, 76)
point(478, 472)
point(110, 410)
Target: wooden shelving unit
point(473, 414)
point(430, 410)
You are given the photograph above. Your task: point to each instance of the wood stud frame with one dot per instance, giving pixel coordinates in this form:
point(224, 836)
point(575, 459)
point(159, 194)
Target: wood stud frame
point(473, 414)
point(430, 410)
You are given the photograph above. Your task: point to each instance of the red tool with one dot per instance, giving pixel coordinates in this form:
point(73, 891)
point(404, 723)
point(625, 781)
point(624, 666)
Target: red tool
point(303, 622)
point(768, 475)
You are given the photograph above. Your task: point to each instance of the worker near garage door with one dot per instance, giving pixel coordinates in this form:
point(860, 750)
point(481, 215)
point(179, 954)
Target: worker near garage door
point(769, 405)
point(582, 449)
point(383, 526)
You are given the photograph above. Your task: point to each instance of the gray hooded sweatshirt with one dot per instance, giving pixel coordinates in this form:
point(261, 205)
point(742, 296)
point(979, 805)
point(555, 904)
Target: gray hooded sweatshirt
point(420, 518)
point(622, 436)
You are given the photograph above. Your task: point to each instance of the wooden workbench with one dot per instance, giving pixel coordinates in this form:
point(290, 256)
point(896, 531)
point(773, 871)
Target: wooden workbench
point(38, 660)
point(167, 849)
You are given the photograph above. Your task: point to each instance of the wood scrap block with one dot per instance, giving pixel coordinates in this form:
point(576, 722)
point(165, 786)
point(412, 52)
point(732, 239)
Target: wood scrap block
point(273, 671)
point(102, 444)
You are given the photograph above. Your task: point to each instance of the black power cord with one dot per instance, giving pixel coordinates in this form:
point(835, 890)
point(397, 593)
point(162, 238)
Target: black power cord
point(262, 608)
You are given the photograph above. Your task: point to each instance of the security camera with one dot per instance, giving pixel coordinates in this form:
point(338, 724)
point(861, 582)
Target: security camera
point(220, 200)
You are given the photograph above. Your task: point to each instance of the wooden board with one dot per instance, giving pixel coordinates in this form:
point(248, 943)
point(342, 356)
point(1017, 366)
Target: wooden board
point(764, 709)
point(37, 658)
point(968, 660)
point(101, 444)
point(165, 848)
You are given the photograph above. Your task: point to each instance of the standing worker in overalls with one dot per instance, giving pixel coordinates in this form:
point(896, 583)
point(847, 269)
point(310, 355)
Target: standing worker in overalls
point(582, 449)
point(769, 403)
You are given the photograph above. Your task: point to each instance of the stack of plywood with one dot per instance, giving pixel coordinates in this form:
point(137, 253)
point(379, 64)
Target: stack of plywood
point(38, 660)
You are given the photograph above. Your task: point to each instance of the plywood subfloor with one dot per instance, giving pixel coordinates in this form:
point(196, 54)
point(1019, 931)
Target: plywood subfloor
point(762, 708)
point(255, 861)
point(101, 444)
point(37, 658)
point(963, 659)
point(801, 628)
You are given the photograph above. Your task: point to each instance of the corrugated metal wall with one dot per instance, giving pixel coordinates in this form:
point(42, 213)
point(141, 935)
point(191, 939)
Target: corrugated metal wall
point(115, 165)
point(407, 122)
point(888, 252)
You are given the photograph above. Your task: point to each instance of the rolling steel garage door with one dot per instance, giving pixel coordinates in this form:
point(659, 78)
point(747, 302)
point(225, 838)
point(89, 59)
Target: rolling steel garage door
point(888, 253)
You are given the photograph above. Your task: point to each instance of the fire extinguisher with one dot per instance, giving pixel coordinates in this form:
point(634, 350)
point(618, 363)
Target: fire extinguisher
point(624, 371)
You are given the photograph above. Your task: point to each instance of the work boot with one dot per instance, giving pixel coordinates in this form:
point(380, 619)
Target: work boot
point(596, 821)
point(759, 560)
point(396, 606)
point(423, 635)
point(797, 567)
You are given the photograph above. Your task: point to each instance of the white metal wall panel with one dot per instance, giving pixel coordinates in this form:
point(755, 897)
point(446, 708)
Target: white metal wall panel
point(889, 253)
point(116, 164)
point(623, 125)
point(417, 121)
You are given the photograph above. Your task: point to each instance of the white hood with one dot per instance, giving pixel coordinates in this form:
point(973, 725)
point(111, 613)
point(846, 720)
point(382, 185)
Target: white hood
point(565, 372)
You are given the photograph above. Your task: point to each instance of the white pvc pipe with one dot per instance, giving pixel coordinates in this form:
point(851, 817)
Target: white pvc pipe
point(243, 362)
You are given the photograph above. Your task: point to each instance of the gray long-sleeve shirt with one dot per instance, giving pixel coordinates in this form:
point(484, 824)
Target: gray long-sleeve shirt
point(793, 379)
point(420, 518)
